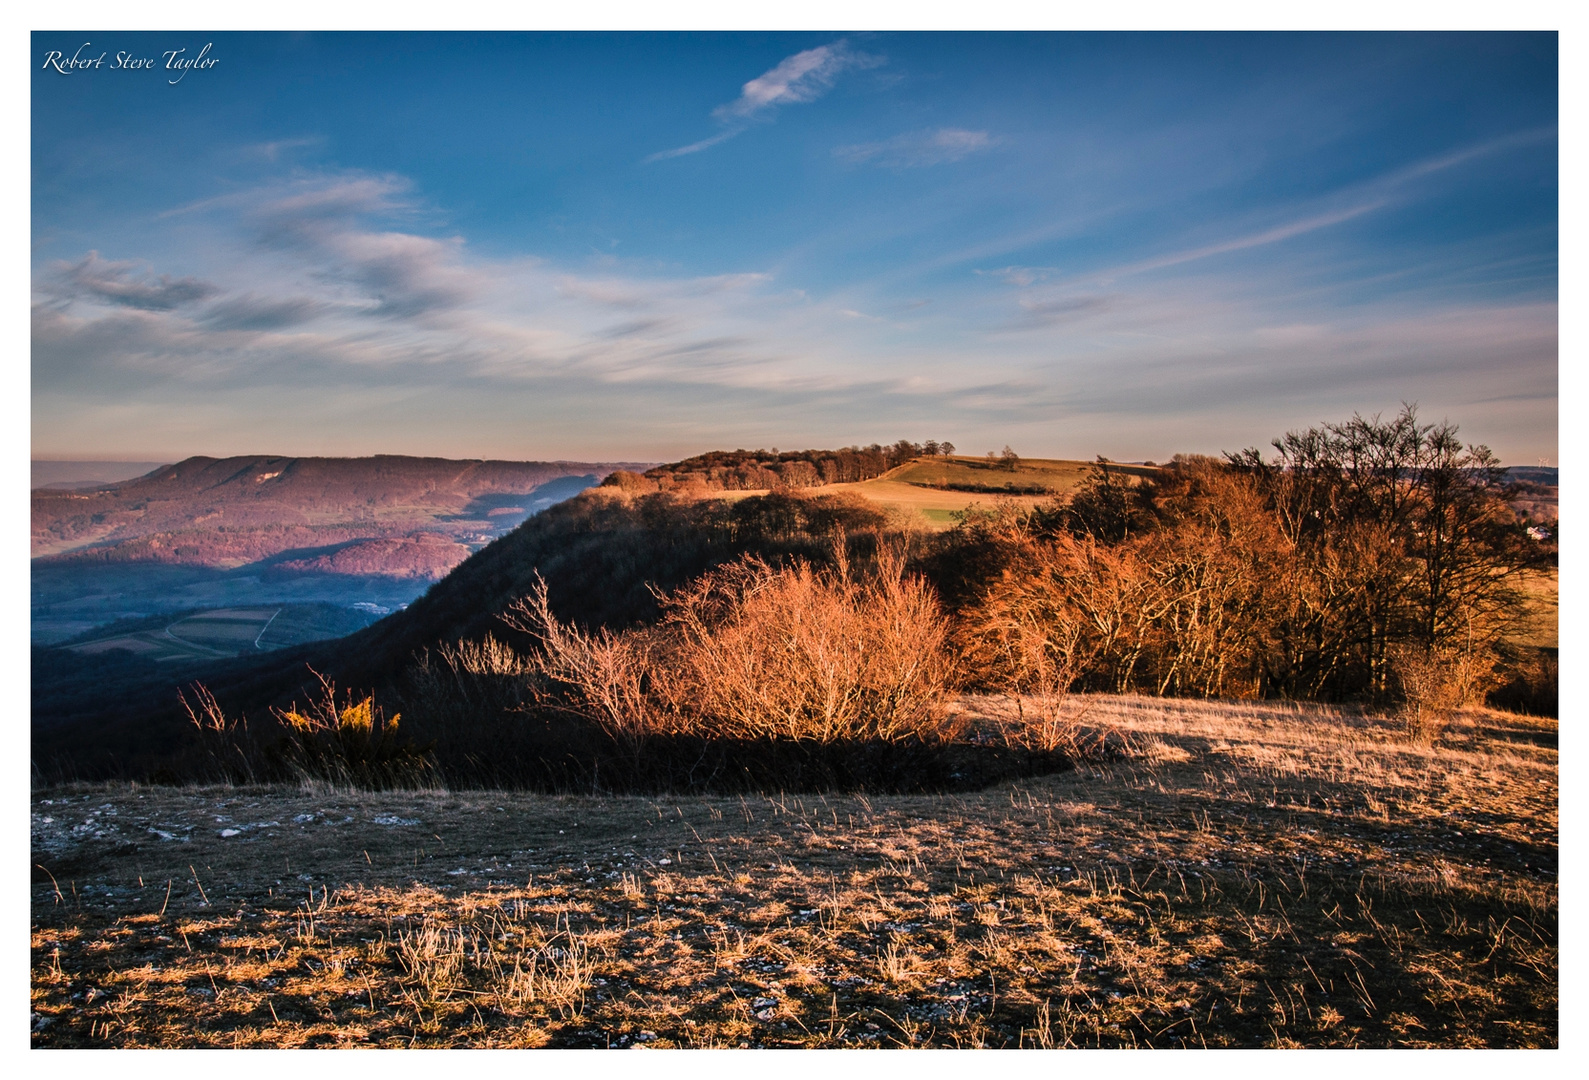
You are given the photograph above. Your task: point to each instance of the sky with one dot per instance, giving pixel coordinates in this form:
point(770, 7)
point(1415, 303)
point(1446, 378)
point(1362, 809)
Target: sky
point(645, 246)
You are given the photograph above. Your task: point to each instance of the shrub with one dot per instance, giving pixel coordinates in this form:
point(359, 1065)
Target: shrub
point(751, 651)
point(354, 744)
point(463, 680)
point(1527, 682)
point(350, 745)
point(228, 752)
point(601, 675)
point(1433, 683)
point(809, 654)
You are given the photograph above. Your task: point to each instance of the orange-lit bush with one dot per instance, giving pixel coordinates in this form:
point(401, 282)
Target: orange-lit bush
point(753, 651)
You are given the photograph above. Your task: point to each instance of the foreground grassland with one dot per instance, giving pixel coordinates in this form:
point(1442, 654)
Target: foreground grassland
point(1241, 876)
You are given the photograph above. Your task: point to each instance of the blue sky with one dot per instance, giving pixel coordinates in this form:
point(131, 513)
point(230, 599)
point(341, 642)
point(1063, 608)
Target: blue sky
point(633, 246)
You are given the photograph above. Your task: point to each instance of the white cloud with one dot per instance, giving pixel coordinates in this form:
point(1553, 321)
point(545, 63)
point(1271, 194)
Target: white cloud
point(803, 77)
point(797, 79)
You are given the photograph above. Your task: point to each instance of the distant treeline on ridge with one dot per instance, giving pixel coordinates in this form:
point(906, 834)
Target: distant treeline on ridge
point(761, 470)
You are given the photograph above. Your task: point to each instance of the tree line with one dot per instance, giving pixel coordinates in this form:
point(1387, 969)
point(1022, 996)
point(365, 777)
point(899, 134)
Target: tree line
point(761, 470)
point(1373, 559)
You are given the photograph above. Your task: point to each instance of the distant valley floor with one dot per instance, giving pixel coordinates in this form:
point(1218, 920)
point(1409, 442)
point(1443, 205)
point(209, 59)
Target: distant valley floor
point(79, 603)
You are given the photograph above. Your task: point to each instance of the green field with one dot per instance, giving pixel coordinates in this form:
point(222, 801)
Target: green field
point(226, 632)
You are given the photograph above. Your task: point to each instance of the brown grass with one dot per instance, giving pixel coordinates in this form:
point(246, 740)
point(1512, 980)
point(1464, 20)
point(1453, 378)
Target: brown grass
point(1253, 875)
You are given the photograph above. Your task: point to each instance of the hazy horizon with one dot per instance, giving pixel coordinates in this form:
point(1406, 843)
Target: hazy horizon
point(162, 462)
point(637, 247)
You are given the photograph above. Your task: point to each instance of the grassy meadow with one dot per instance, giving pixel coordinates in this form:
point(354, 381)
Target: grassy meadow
point(1236, 875)
point(1057, 476)
point(930, 491)
point(1540, 625)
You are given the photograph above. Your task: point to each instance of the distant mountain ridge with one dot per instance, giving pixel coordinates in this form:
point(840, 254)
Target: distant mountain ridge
point(227, 511)
point(266, 529)
point(88, 474)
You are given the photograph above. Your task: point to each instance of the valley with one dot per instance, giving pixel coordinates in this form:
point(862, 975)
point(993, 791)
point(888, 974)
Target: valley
point(213, 533)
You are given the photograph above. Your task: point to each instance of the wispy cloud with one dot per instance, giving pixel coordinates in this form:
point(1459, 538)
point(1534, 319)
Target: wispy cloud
point(309, 195)
point(1019, 276)
point(116, 283)
point(1242, 243)
point(797, 79)
point(803, 77)
point(1041, 312)
point(324, 221)
point(695, 147)
point(248, 312)
point(919, 148)
point(1393, 188)
point(271, 151)
point(1516, 140)
point(316, 276)
point(314, 198)
point(1048, 295)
